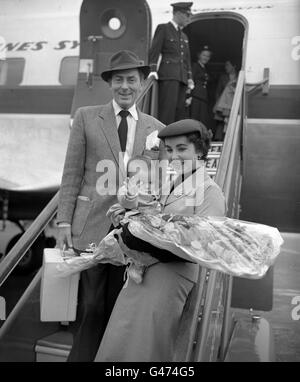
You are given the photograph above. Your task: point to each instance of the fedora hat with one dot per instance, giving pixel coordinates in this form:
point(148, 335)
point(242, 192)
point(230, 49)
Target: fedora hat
point(122, 60)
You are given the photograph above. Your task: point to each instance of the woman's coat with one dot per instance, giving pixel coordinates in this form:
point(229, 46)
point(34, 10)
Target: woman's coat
point(146, 317)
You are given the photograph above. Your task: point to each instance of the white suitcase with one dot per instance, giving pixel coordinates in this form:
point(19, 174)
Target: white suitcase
point(58, 297)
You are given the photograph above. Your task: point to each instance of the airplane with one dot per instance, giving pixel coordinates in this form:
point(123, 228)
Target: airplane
point(39, 55)
point(51, 64)
point(38, 72)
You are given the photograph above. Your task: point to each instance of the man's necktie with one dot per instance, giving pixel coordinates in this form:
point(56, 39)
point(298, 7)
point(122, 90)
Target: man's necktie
point(179, 33)
point(123, 128)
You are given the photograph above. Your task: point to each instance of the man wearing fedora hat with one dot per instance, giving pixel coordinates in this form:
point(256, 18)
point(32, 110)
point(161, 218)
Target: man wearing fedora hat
point(174, 72)
point(100, 134)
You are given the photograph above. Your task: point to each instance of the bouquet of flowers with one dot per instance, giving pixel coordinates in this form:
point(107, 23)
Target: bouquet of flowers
point(232, 246)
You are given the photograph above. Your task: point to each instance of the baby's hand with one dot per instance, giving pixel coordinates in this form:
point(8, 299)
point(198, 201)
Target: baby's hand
point(116, 213)
point(132, 186)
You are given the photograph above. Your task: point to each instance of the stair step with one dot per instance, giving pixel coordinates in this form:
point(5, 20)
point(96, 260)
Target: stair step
point(54, 348)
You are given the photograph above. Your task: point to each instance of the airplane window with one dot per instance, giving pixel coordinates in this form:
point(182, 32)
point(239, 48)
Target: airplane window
point(69, 70)
point(114, 23)
point(11, 71)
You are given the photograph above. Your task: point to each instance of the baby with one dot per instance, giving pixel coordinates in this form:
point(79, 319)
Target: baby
point(137, 192)
point(139, 189)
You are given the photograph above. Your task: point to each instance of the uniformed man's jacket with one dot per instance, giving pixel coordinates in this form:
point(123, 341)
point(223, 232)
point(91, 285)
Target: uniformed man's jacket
point(174, 47)
point(201, 78)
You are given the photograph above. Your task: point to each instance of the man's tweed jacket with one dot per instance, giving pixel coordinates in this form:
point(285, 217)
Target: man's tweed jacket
point(94, 139)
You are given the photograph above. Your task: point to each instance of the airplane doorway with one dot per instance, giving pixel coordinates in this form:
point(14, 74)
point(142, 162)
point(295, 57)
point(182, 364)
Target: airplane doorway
point(225, 34)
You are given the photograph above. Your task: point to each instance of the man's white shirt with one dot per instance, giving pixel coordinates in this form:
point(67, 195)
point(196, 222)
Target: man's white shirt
point(175, 25)
point(132, 119)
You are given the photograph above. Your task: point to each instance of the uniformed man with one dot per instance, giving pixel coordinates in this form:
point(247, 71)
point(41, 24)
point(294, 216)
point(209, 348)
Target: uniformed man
point(175, 72)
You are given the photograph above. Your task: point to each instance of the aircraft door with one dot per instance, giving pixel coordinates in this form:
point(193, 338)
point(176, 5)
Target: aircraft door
point(106, 27)
point(227, 37)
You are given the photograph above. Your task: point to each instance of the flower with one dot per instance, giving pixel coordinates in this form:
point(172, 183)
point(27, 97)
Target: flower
point(152, 141)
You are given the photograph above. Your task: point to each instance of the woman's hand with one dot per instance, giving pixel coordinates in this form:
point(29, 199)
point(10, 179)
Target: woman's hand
point(139, 257)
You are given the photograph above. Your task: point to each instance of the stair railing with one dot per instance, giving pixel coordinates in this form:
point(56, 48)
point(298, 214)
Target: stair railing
point(264, 83)
point(147, 101)
point(196, 324)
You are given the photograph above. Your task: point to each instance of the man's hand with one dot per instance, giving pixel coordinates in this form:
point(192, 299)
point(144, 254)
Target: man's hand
point(191, 84)
point(64, 239)
point(188, 101)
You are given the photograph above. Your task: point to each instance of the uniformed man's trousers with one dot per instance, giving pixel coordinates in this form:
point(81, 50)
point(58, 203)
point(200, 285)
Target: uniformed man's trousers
point(171, 101)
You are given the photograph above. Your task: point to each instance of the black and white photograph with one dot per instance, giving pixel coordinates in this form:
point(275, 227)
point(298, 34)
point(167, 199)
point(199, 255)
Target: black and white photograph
point(149, 184)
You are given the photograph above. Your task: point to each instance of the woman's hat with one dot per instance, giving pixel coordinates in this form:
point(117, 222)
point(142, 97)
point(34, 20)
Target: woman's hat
point(122, 60)
point(183, 127)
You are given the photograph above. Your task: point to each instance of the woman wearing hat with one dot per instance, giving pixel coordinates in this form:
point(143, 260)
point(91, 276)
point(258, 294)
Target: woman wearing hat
point(199, 101)
point(224, 96)
point(145, 320)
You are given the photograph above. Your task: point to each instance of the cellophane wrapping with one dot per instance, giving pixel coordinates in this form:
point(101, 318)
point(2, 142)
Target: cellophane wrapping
point(235, 247)
point(108, 251)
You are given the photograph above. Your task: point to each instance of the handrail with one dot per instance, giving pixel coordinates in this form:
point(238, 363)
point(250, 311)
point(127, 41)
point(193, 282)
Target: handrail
point(224, 177)
point(200, 345)
point(265, 83)
point(21, 302)
point(150, 81)
point(15, 255)
point(193, 334)
point(230, 146)
point(191, 320)
point(226, 151)
point(12, 259)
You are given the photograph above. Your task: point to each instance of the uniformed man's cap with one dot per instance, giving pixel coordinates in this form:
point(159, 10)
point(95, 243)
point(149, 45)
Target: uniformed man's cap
point(183, 127)
point(205, 47)
point(184, 7)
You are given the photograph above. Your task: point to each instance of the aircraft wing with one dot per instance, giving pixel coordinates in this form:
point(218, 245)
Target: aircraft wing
point(42, 187)
point(32, 151)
